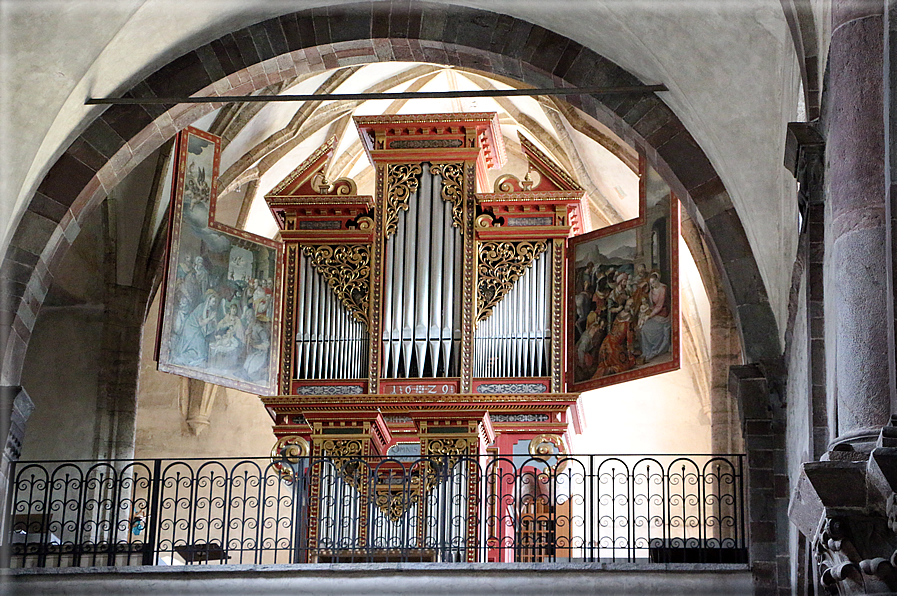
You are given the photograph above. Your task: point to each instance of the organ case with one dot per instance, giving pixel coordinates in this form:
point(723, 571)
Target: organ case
point(414, 316)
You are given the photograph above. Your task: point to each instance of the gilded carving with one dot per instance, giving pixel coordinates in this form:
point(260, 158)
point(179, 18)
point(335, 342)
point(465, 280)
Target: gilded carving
point(509, 183)
point(342, 186)
point(447, 447)
point(401, 181)
point(374, 353)
point(452, 188)
point(289, 323)
point(347, 269)
point(346, 458)
point(395, 502)
point(444, 454)
point(557, 316)
point(468, 275)
point(546, 446)
point(286, 453)
point(500, 265)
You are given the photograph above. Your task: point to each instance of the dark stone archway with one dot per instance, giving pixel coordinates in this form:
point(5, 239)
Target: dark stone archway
point(267, 52)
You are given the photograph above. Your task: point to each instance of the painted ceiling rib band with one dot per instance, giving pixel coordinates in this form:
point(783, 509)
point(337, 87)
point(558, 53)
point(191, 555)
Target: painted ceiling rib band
point(632, 90)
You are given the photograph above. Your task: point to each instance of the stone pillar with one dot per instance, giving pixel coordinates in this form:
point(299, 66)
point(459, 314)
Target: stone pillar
point(805, 158)
point(856, 260)
point(846, 504)
point(15, 409)
point(725, 428)
point(890, 101)
point(767, 480)
point(116, 413)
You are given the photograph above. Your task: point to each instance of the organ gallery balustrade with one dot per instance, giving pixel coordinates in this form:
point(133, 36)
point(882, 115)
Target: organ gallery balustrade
point(452, 508)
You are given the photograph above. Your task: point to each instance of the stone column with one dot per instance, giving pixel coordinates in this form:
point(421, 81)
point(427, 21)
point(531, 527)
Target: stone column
point(15, 409)
point(856, 260)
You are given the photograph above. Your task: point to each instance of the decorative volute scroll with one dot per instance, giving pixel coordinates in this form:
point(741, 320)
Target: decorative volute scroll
point(347, 269)
point(511, 183)
point(287, 453)
point(402, 181)
point(452, 188)
point(341, 186)
point(499, 266)
point(546, 446)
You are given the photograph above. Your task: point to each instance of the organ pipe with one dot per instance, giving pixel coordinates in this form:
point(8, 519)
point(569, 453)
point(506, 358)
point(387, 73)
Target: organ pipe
point(515, 340)
point(330, 343)
point(423, 257)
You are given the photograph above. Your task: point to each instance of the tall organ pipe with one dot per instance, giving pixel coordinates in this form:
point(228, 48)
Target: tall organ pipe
point(515, 340)
point(330, 343)
point(422, 261)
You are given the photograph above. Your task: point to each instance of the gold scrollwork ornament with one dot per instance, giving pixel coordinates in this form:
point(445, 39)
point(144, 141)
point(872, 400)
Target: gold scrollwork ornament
point(500, 265)
point(452, 188)
point(444, 454)
point(347, 270)
point(546, 446)
point(402, 181)
point(346, 457)
point(396, 499)
point(288, 452)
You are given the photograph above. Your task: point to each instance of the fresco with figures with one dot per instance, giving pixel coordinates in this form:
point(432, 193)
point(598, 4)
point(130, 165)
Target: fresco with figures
point(220, 317)
point(624, 299)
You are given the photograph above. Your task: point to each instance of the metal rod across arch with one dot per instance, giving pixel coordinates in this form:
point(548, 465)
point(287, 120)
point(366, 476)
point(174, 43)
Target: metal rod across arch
point(630, 90)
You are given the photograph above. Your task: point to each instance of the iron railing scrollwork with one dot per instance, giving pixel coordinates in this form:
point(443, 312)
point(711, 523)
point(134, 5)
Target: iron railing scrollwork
point(663, 508)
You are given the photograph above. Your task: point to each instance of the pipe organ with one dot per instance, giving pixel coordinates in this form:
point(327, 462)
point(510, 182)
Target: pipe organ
point(429, 316)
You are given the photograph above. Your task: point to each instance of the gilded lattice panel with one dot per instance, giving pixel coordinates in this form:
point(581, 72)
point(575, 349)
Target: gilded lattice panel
point(347, 270)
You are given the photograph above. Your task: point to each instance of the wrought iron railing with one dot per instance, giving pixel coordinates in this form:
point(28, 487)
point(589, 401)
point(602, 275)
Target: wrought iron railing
point(661, 508)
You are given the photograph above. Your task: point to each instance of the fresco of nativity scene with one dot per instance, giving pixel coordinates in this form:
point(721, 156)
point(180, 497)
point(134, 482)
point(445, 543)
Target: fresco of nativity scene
point(219, 320)
point(624, 288)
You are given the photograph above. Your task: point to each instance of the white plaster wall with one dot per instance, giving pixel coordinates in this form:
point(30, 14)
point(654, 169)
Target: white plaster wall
point(660, 414)
point(724, 63)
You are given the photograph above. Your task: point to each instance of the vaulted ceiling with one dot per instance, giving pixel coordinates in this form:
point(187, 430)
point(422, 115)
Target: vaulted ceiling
point(730, 68)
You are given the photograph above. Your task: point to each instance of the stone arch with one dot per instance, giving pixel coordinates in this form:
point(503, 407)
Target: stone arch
point(267, 52)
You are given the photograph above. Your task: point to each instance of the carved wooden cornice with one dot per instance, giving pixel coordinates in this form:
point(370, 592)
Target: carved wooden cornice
point(552, 176)
point(308, 168)
point(499, 266)
point(347, 270)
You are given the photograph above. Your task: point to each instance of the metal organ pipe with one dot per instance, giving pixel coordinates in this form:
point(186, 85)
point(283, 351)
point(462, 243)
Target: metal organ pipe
point(515, 340)
point(330, 343)
point(422, 262)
